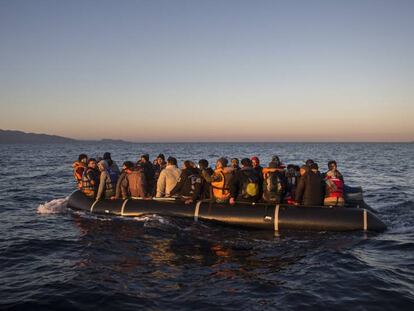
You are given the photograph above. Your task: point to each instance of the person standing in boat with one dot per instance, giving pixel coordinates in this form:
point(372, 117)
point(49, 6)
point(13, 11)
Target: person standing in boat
point(90, 179)
point(79, 168)
point(220, 180)
point(334, 192)
point(107, 181)
point(245, 185)
point(168, 178)
point(205, 185)
point(311, 188)
point(188, 186)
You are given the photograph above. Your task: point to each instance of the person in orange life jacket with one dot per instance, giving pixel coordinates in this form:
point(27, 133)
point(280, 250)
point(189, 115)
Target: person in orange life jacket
point(205, 186)
point(274, 182)
point(111, 164)
point(220, 180)
point(107, 181)
point(78, 169)
point(90, 179)
point(134, 185)
point(334, 191)
point(149, 172)
point(311, 188)
point(245, 185)
point(159, 165)
point(292, 178)
point(127, 167)
point(188, 186)
point(235, 164)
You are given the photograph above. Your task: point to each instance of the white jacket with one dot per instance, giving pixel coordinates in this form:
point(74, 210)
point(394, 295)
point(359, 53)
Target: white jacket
point(167, 180)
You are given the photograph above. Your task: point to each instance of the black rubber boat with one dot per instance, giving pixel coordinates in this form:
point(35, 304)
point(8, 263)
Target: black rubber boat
point(252, 215)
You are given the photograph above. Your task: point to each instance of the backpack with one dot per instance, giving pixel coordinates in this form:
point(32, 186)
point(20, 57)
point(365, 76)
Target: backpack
point(274, 186)
point(251, 185)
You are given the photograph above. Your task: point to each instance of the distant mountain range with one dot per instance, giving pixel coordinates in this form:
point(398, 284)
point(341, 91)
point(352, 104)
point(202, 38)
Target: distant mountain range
point(19, 137)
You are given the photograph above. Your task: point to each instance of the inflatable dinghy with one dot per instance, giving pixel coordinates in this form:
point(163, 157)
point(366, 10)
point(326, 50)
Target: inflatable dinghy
point(261, 216)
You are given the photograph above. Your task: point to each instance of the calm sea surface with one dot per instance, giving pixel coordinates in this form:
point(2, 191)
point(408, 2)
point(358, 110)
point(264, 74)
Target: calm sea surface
point(52, 258)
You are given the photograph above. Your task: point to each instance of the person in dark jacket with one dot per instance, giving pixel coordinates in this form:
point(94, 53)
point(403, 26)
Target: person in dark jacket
point(245, 185)
point(111, 164)
point(205, 185)
point(311, 188)
point(188, 186)
point(259, 169)
point(126, 169)
point(149, 172)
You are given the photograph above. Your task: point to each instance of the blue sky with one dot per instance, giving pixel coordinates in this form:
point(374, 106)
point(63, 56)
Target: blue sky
point(209, 70)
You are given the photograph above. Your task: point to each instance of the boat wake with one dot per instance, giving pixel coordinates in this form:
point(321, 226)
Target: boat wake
point(56, 206)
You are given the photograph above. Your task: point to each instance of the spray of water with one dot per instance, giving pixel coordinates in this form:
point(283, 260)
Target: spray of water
point(55, 206)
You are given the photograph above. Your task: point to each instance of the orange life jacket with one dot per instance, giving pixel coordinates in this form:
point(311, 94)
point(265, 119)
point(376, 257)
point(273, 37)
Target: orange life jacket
point(221, 188)
point(78, 169)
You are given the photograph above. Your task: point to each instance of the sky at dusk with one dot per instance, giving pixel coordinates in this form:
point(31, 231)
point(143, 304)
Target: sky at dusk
point(209, 70)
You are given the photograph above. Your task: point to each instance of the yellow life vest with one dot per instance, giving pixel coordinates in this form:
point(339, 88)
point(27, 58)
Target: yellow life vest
point(221, 188)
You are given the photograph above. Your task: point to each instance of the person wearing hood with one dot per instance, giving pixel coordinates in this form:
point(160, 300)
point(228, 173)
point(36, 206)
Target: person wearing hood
point(245, 185)
point(107, 181)
point(111, 164)
point(79, 168)
point(188, 186)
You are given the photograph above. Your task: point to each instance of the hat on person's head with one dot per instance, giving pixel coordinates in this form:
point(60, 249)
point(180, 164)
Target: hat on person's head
point(314, 166)
point(107, 156)
point(255, 159)
point(103, 163)
point(161, 155)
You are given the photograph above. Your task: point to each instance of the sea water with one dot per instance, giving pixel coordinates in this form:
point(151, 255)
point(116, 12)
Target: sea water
point(53, 258)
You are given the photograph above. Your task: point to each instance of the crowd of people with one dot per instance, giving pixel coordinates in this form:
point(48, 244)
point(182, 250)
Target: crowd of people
point(237, 181)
